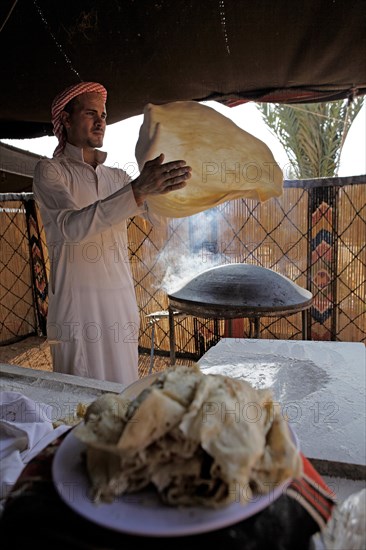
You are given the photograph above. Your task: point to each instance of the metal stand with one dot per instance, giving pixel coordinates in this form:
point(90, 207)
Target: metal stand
point(254, 327)
point(153, 318)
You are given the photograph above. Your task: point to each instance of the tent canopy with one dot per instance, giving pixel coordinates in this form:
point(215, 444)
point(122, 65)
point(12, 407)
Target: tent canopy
point(160, 51)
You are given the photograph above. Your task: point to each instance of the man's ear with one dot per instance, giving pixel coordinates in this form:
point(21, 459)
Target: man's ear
point(65, 119)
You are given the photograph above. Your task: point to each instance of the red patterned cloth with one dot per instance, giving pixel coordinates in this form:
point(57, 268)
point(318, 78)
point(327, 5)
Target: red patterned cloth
point(293, 95)
point(313, 494)
point(62, 99)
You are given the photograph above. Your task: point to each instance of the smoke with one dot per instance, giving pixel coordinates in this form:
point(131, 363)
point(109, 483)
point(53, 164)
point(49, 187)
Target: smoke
point(180, 270)
point(199, 250)
point(178, 267)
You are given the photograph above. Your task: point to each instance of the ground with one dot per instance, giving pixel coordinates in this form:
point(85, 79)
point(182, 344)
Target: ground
point(33, 352)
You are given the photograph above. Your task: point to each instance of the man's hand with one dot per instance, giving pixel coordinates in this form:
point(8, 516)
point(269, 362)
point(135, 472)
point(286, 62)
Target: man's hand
point(157, 178)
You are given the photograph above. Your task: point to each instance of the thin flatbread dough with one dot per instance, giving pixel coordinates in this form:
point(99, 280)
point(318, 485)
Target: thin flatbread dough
point(227, 162)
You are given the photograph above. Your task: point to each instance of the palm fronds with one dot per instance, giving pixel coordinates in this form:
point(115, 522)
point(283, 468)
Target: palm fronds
point(312, 134)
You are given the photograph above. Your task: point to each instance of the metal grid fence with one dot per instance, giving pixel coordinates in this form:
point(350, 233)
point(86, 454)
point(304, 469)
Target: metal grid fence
point(314, 234)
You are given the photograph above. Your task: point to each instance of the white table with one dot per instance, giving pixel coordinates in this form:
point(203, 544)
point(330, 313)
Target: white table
point(319, 385)
point(63, 392)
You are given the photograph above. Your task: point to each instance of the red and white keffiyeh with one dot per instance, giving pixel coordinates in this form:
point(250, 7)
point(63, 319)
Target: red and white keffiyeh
point(62, 99)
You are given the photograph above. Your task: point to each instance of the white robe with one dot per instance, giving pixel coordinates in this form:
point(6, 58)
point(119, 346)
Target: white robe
point(93, 318)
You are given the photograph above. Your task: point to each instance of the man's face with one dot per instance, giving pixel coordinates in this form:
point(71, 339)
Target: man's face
point(86, 124)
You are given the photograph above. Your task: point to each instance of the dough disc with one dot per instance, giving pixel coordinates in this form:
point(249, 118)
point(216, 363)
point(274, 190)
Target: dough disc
point(227, 162)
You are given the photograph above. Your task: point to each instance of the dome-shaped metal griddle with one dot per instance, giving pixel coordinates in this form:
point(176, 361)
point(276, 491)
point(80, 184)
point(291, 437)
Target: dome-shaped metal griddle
point(240, 290)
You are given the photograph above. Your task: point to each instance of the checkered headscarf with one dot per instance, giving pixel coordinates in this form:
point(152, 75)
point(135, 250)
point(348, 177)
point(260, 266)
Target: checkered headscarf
point(62, 99)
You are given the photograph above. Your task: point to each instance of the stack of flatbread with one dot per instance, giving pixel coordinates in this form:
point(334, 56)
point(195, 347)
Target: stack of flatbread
point(198, 439)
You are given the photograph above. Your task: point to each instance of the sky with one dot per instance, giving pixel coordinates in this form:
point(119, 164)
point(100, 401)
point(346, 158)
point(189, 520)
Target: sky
point(120, 140)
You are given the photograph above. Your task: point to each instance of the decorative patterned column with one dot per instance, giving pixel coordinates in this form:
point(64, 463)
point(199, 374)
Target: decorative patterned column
point(323, 261)
point(37, 264)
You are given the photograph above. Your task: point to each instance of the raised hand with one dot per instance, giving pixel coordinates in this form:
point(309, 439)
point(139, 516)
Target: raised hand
point(157, 178)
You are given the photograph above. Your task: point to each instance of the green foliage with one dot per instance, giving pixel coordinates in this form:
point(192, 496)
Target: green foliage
point(312, 134)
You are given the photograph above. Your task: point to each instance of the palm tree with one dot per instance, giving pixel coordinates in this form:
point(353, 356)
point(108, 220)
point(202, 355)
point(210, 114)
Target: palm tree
point(312, 134)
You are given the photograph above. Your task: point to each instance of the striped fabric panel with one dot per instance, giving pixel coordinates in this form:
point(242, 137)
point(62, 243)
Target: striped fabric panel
point(313, 494)
point(282, 96)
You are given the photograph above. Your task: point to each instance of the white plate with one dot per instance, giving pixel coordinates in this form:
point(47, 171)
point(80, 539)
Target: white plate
point(143, 513)
point(133, 390)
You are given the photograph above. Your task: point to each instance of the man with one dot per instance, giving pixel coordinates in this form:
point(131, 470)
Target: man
point(93, 318)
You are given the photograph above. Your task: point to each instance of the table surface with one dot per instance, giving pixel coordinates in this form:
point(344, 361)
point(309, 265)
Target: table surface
point(320, 387)
point(35, 496)
point(62, 392)
point(283, 525)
